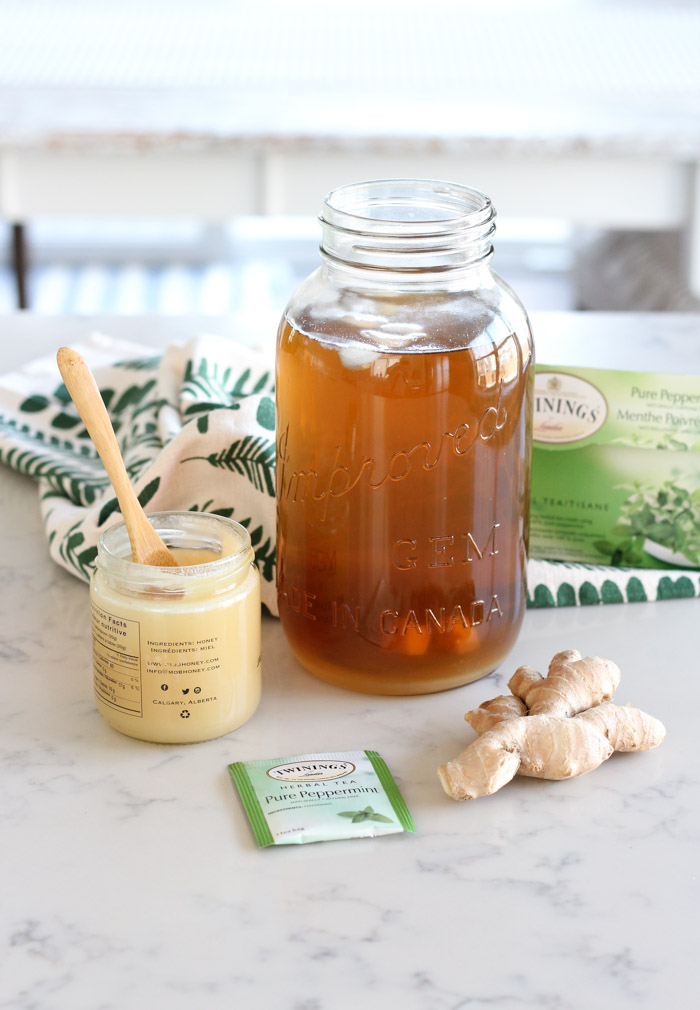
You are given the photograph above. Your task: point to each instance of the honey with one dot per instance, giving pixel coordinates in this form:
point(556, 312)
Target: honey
point(403, 445)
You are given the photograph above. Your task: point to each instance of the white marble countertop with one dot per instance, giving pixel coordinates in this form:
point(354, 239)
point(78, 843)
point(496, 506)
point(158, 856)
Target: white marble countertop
point(132, 878)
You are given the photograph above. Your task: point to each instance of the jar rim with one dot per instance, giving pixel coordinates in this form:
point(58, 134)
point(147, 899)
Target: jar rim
point(114, 540)
point(463, 206)
point(407, 226)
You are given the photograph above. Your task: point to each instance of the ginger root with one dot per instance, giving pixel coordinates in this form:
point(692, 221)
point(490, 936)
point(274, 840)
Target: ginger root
point(552, 727)
point(572, 685)
point(490, 713)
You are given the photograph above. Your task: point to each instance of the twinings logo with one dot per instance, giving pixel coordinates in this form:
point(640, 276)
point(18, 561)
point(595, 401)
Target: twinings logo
point(567, 408)
point(311, 771)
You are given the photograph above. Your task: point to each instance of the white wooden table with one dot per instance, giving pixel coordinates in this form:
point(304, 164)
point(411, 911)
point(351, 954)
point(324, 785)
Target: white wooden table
point(588, 113)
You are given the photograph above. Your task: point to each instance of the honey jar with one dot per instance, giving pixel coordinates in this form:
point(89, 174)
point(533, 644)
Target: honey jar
point(176, 651)
point(404, 406)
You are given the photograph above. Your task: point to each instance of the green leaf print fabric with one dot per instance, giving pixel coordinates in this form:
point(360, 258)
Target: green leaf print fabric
point(564, 584)
point(196, 428)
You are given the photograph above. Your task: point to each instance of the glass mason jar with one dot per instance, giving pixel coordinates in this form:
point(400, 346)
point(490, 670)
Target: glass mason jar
point(176, 651)
point(404, 407)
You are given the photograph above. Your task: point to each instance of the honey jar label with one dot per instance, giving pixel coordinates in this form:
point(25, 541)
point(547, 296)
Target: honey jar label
point(117, 661)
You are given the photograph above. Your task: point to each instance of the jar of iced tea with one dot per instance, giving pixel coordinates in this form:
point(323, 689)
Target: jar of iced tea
point(404, 404)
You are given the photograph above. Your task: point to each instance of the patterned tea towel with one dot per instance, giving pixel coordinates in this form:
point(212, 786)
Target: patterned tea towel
point(565, 584)
point(196, 428)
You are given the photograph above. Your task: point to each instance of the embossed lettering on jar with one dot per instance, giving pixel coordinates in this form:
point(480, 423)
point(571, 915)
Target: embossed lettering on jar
point(404, 406)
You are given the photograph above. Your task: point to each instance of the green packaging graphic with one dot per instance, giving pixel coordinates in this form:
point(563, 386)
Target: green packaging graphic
point(320, 797)
point(616, 468)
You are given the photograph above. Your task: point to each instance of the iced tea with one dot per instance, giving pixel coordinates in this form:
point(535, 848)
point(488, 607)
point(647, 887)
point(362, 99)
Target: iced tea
point(402, 505)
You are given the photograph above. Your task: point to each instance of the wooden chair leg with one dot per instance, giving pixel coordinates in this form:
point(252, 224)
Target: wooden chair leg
point(19, 263)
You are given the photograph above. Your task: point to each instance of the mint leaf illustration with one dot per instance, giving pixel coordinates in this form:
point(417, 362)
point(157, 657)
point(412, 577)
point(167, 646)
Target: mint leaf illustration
point(368, 814)
point(668, 515)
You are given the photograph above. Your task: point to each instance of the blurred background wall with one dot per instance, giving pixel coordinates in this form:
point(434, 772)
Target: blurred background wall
point(172, 156)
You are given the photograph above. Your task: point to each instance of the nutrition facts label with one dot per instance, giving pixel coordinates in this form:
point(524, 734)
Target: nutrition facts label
point(117, 661)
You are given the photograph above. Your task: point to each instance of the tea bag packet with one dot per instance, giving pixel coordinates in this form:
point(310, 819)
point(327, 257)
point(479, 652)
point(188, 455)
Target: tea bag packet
point(320, 797)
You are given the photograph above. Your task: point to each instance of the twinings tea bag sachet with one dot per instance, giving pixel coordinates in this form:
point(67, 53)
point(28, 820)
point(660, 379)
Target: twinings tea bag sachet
point(320, 797)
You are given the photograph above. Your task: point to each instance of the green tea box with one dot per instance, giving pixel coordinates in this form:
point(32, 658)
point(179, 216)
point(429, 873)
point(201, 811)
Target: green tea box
point(616, 468)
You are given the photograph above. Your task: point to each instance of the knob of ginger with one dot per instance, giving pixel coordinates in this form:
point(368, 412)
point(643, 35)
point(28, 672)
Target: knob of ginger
point(572, 685)
point(551, 727)
point(490, 713)
point(547, 747)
